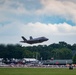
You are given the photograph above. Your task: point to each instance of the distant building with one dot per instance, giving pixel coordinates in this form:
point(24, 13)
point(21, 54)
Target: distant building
point(57, 62)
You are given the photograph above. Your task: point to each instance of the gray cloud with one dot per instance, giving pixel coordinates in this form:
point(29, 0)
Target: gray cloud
point(55, 32)
point(66, 9)
point(68, 0)
point(13, 10)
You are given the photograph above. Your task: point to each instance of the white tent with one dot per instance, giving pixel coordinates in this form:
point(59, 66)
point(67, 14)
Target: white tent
point(30, 59)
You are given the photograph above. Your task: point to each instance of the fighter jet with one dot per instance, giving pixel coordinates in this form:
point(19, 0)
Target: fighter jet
point(34, 40)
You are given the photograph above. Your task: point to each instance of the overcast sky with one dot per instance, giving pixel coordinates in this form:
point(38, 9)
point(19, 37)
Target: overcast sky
point(54, 19)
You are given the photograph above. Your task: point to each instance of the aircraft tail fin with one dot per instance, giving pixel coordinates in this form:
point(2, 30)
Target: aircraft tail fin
point(24, 38)
point(31, 37)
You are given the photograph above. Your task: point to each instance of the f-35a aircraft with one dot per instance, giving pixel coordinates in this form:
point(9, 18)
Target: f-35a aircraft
point(34, 40)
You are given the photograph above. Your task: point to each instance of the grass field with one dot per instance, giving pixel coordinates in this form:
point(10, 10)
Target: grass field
point(37, 71)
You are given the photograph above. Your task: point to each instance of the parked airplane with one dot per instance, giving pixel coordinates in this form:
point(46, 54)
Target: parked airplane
point(34, 40)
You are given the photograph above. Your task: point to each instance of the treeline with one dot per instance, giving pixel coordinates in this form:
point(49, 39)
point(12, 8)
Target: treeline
point(60, 50)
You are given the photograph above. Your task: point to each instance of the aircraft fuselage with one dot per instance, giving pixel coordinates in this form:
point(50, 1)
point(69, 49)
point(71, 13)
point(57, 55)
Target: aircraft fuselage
point(35, 40)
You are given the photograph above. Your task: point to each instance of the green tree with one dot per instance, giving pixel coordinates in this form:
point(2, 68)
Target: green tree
point(2, 51)
point(63, 53)
point(74, 59)
point(27, 54)
point(74, 47)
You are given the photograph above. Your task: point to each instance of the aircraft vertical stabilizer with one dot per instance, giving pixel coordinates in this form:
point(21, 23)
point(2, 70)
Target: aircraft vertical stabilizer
point(24, 38)
point(31, 37)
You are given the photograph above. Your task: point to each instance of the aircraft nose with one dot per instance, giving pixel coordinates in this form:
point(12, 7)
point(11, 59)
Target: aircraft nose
point(47, 39)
